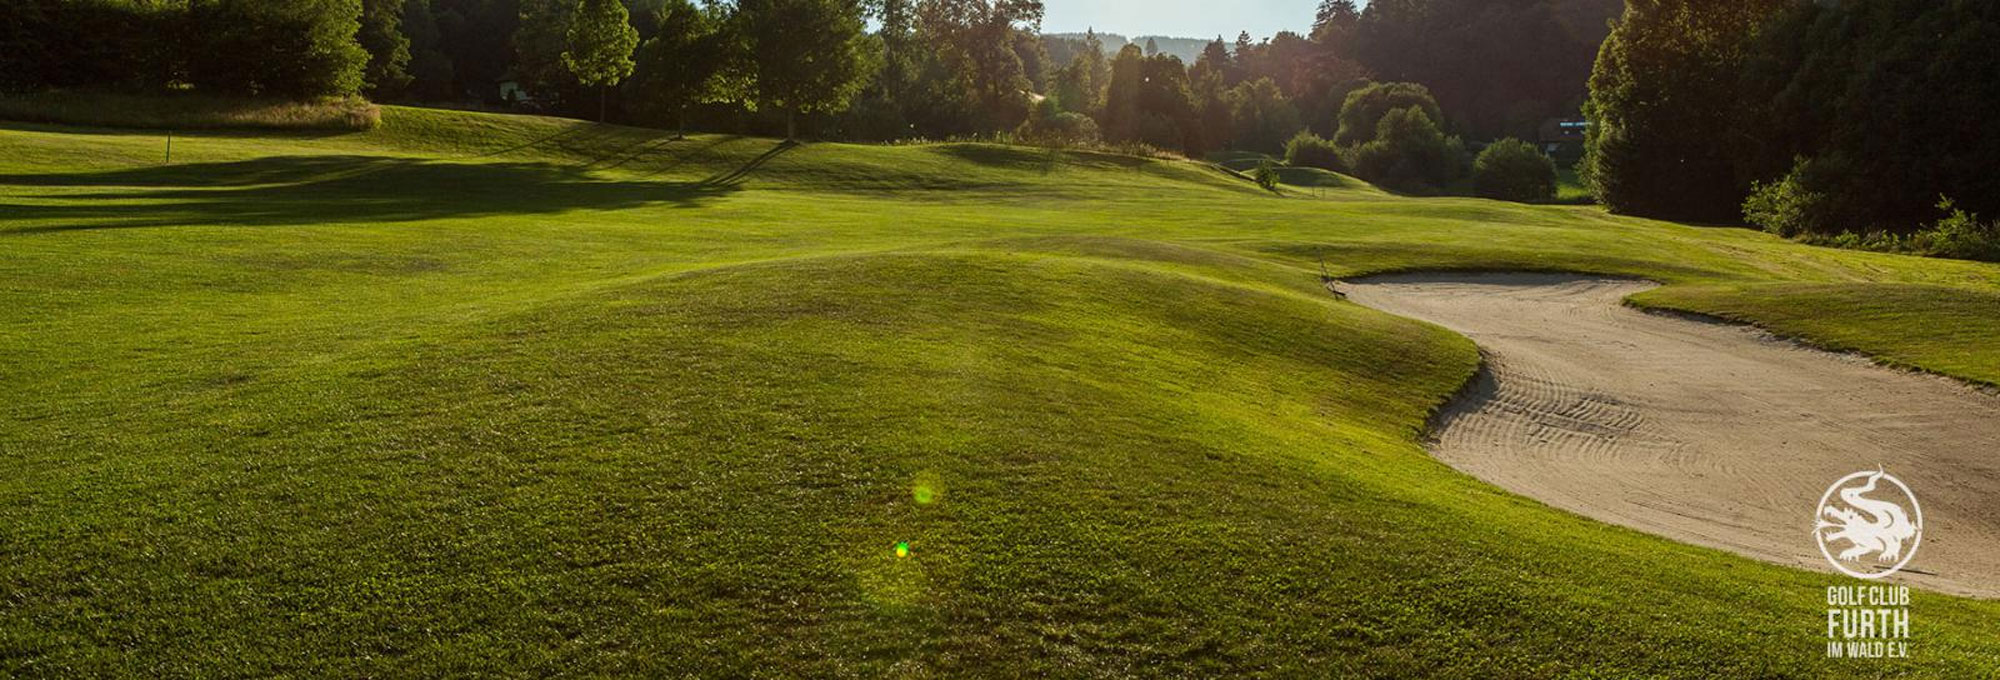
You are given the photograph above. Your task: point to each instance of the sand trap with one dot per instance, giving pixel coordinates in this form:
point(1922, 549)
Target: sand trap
point(1708, 433)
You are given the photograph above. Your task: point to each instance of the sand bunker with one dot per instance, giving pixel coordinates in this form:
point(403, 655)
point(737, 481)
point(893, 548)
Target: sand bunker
point(1708, 433)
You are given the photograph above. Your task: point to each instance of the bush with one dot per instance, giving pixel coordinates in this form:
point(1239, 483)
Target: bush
point(1409, 153)
point(1307, 150)
point(1266, 175)
point(1514, 170)
point(1796, 204)
point(1049, 125)
point(1362, 112)
point(1959, 235)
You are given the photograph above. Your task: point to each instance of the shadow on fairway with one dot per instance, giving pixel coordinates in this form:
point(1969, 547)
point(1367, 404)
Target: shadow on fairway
point(307, 190)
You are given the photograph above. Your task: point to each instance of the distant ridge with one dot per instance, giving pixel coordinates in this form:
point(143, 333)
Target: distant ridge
point(1185, 48)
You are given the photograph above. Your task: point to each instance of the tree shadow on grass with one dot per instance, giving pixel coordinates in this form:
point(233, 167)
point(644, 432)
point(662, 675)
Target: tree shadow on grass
point(311, 190)
point(1039, 159)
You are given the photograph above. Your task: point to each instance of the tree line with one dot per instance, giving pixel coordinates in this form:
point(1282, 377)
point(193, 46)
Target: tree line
point(930, 68)
point(1807, 118)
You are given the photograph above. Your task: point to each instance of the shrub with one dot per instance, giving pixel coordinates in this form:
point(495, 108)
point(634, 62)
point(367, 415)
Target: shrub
point(1514, 170)
point(1049, 125)
point(1266, 175)
point(1307, 150)
point(1409, 153)
point(1797, 203)
point(1960, 235)
point(1362, 112)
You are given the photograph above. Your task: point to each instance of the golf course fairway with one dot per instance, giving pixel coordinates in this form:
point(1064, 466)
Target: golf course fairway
point(494, 395)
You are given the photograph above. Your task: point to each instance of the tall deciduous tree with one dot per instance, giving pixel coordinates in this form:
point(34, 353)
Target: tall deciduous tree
point(388, 47)
point(1121, 95)
point(1261, 115)
point(1079, 87)
point(1667, 111)
point(599, 46)
point(287, 48)
point(539, 42)
point(431, 71)
point(678, 66)
point(1335, 17)
point(800, 56)
point(976, 43)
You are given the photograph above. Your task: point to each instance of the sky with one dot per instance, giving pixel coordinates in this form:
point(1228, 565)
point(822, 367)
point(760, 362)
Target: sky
point(1180, 18)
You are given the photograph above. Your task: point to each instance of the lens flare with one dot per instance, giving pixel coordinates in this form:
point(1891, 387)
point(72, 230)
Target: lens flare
point(926, 487)
point(903, 549)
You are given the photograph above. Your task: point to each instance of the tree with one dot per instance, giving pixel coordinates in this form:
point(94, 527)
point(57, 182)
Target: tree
point(1166, 115)
point(1498, 66)
point(599, 46)
point(1080, 86)
point(431, 72)
point(1262, 116)
point(1514, 170)
point(1409, 152)
point(678, 66)
point(482, 39)
point(388, 47)
point(282, 48)
point(1152, 47)
point(976, 43)
point(1668, 112)
point(1870, 111)
point(1121, 96)
point(1210, 94)
point(1334, 19)
point(1361, 114)
point(539, 43)
point(800, 56)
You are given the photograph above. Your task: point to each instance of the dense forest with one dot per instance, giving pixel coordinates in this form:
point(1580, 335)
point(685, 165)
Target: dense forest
point(928, 68)
point(1803, 117)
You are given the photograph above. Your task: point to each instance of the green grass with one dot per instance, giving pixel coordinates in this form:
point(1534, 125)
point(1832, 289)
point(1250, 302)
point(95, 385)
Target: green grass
point(1570, 189)
point(470, 394)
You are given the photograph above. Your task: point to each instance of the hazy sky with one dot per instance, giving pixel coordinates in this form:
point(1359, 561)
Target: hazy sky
point(1180, 18)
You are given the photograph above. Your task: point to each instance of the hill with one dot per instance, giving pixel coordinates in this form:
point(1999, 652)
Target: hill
point(469, 394)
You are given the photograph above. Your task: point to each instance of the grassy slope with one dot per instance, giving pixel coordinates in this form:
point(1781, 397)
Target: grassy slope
point(522, 395)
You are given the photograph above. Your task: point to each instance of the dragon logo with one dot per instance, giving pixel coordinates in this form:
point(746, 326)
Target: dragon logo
point(1869, 532)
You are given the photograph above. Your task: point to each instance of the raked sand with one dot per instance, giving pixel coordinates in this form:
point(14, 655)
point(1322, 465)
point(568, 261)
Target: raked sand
point(1709, 433)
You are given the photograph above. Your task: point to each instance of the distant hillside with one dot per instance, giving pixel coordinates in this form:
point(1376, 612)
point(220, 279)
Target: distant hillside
point(1185, 48)
point(1063, 46)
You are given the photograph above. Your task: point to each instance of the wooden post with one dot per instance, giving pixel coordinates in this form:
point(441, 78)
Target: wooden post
point(170, 147)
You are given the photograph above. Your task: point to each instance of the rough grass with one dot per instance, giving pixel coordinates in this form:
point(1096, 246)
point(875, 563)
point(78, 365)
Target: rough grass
point(188, 112)
point(481, 395)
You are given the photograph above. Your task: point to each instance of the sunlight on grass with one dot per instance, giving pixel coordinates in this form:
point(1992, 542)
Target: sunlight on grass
point(535, 396)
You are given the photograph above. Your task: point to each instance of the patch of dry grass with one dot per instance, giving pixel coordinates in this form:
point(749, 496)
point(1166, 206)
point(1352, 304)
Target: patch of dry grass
point(189, 111)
